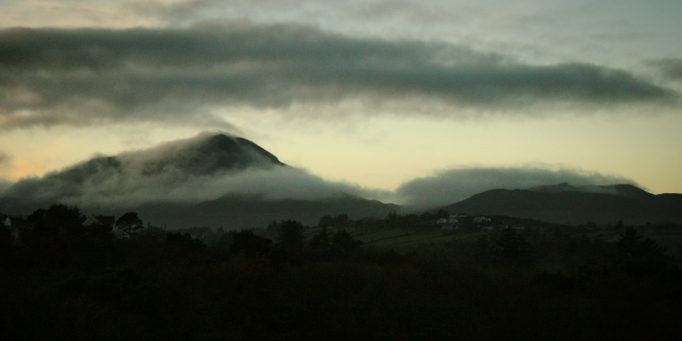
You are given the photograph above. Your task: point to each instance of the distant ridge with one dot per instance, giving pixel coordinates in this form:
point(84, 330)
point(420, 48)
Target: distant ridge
point(576, 205)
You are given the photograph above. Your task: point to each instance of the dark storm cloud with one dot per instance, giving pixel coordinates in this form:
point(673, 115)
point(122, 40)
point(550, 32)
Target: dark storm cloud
point(451, 186)
point(81, 76)
point(670, 68)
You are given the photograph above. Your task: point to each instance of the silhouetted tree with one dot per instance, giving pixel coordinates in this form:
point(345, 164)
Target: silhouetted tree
point(326, 221)
point(341, 220)
point(57, 236)
point(57, 218)
point(129, 223)
point(291, 237)
point(183, 240)
point(320, 241)
point(245, 242)
point(53, 229)
point(641, 255)
point(343, 243)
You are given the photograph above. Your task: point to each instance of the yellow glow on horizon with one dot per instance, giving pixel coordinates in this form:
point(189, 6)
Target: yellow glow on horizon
point(386, 151)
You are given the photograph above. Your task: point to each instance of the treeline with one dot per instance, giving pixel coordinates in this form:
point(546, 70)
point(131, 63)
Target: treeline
point(63, 279)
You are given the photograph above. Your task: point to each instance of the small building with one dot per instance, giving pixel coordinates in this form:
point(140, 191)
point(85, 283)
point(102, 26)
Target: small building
point(90, 221)
point(453, 218)
point(482, 220)
point(100, 221)
point(13, 225)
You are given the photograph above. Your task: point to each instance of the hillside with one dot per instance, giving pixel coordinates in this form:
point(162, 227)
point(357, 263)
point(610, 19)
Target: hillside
point(567, 204)
point(211, 180)
point(246, 211)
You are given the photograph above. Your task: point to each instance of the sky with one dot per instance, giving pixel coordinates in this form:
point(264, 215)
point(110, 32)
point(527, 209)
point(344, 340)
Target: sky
point(375, 93)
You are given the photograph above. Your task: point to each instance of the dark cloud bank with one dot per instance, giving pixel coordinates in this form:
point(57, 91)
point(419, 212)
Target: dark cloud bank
point(84, 76)
point(670, 69)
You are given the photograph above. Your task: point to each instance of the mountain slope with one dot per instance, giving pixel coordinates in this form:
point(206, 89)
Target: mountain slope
point(166, 166)
point(246, 211)
point(209, 180)
point(567, 204)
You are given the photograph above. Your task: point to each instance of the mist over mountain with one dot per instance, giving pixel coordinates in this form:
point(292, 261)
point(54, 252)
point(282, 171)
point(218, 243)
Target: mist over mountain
point(104, 179)
point(177, 175)
point(453, 185)
point(575, 205)
point(215, 179)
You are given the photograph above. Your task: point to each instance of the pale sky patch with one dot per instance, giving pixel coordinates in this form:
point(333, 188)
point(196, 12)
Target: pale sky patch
point(386, 129)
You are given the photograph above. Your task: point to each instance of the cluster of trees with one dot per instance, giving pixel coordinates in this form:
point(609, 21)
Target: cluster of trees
point(63, 279)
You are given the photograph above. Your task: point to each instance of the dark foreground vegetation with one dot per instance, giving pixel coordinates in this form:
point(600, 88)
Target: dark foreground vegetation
point(63, 279)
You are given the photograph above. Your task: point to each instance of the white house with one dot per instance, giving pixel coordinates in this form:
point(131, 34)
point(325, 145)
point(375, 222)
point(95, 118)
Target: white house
point(90, 221)
point(481, 220)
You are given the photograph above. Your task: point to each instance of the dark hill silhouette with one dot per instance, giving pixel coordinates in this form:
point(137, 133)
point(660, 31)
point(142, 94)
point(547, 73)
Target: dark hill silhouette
point(619, 189)
point(566, 204)
point(245, 211)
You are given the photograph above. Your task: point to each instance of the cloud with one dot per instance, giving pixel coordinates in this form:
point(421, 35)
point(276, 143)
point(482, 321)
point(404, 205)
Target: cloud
point(453, 185)
point(4, 159)
point(90, 76)
point(670, 69)
point(193, 170)
point(212, 165)
point(272, 184)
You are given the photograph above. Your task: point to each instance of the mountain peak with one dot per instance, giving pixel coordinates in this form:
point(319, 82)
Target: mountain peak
point(170, 164)
point(226, 151)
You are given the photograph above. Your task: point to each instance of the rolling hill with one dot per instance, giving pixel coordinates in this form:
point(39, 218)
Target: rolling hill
point(566, 204)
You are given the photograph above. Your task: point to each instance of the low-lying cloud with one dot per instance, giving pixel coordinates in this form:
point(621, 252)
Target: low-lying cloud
point(211, 165)
point(90, 76)
point(186, 171)
point(454, 185)
point(271, 184)
point(670, 69)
